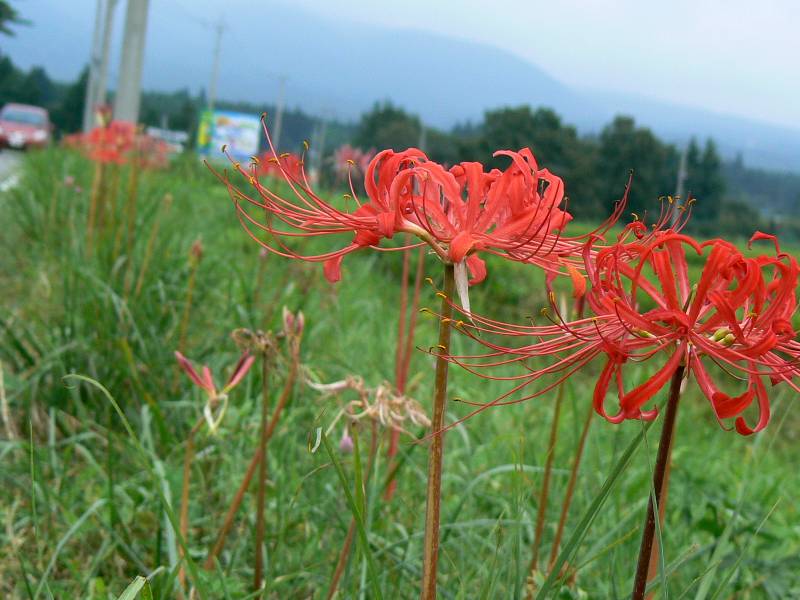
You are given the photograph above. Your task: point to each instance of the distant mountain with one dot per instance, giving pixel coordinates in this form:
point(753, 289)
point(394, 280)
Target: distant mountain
point(342, 68)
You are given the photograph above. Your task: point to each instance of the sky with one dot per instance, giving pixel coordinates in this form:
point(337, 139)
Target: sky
point(733, 57)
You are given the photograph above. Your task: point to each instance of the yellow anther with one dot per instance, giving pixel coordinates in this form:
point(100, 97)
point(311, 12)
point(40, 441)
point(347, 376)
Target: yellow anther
point(720, 334)
point(350, 161)
point(285, 155)
point(635, 216)
point(643, 334)
point(442, 295)
point(347, 196)
point(306, 145)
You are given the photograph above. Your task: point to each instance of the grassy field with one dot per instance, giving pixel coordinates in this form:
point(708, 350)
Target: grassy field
point(86, 506)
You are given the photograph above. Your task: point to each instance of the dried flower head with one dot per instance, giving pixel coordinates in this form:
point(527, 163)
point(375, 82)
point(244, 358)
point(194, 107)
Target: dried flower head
point(382, 404)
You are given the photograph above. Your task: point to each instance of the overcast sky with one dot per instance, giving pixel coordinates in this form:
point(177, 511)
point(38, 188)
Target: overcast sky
point(731, 57)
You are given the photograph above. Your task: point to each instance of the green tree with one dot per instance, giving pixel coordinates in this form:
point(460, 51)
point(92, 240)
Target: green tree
point(624, 147)
point(9, 16)
point(553, 143)
point(10, 78)
point(556, 146)
point(387, 126)
point(36, 88)
point(707, 185)
point(68, 115)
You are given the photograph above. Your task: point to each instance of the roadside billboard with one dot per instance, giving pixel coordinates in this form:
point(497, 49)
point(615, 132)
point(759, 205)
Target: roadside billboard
point(240, 132)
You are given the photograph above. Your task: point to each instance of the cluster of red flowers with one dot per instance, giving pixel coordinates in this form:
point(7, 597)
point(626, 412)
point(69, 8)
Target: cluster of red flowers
point(459, 212)
point(120, 142)
point(287, 164)
point(736, 319)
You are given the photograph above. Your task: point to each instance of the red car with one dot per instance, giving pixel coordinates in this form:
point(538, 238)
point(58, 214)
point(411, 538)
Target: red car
point(24, 126)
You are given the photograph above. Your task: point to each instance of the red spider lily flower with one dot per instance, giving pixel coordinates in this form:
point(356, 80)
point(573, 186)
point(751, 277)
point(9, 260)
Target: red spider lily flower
point(516, 213)
point(205, 381)
point(346, 156)
point(120, 142)
point(735, 320)
point(111, 143)
point(270, 165)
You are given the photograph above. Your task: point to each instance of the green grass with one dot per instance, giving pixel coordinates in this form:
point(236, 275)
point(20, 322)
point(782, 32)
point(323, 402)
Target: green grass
point(86, 506)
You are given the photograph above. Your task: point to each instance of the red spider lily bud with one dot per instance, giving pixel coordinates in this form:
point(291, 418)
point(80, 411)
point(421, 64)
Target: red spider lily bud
point(196, 251)
point(293, 325)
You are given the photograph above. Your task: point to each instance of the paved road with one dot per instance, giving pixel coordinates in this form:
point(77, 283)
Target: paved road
point(9, 159)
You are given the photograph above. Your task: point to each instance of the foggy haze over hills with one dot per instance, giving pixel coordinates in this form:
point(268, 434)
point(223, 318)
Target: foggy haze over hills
point(340, 68)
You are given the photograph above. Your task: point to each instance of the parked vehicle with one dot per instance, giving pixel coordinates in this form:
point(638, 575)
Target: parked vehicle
point(24, 126)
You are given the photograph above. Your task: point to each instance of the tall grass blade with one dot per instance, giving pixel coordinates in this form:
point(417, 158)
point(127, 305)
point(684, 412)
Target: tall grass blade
point(133, 589)
point(146, 458)
point(575, 540)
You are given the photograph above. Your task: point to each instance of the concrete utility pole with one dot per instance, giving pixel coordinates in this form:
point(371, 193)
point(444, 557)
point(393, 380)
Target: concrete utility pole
point(129, 86)
point(105, 51)
point(212, 86)
point(276, 129)
point(423, 137)
point(94, 68)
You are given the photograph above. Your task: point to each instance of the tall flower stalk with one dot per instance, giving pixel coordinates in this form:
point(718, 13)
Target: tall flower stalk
point(659, 481)
point(293, 329)
point(436, 450)
point(264, 344)
point(403, 350)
